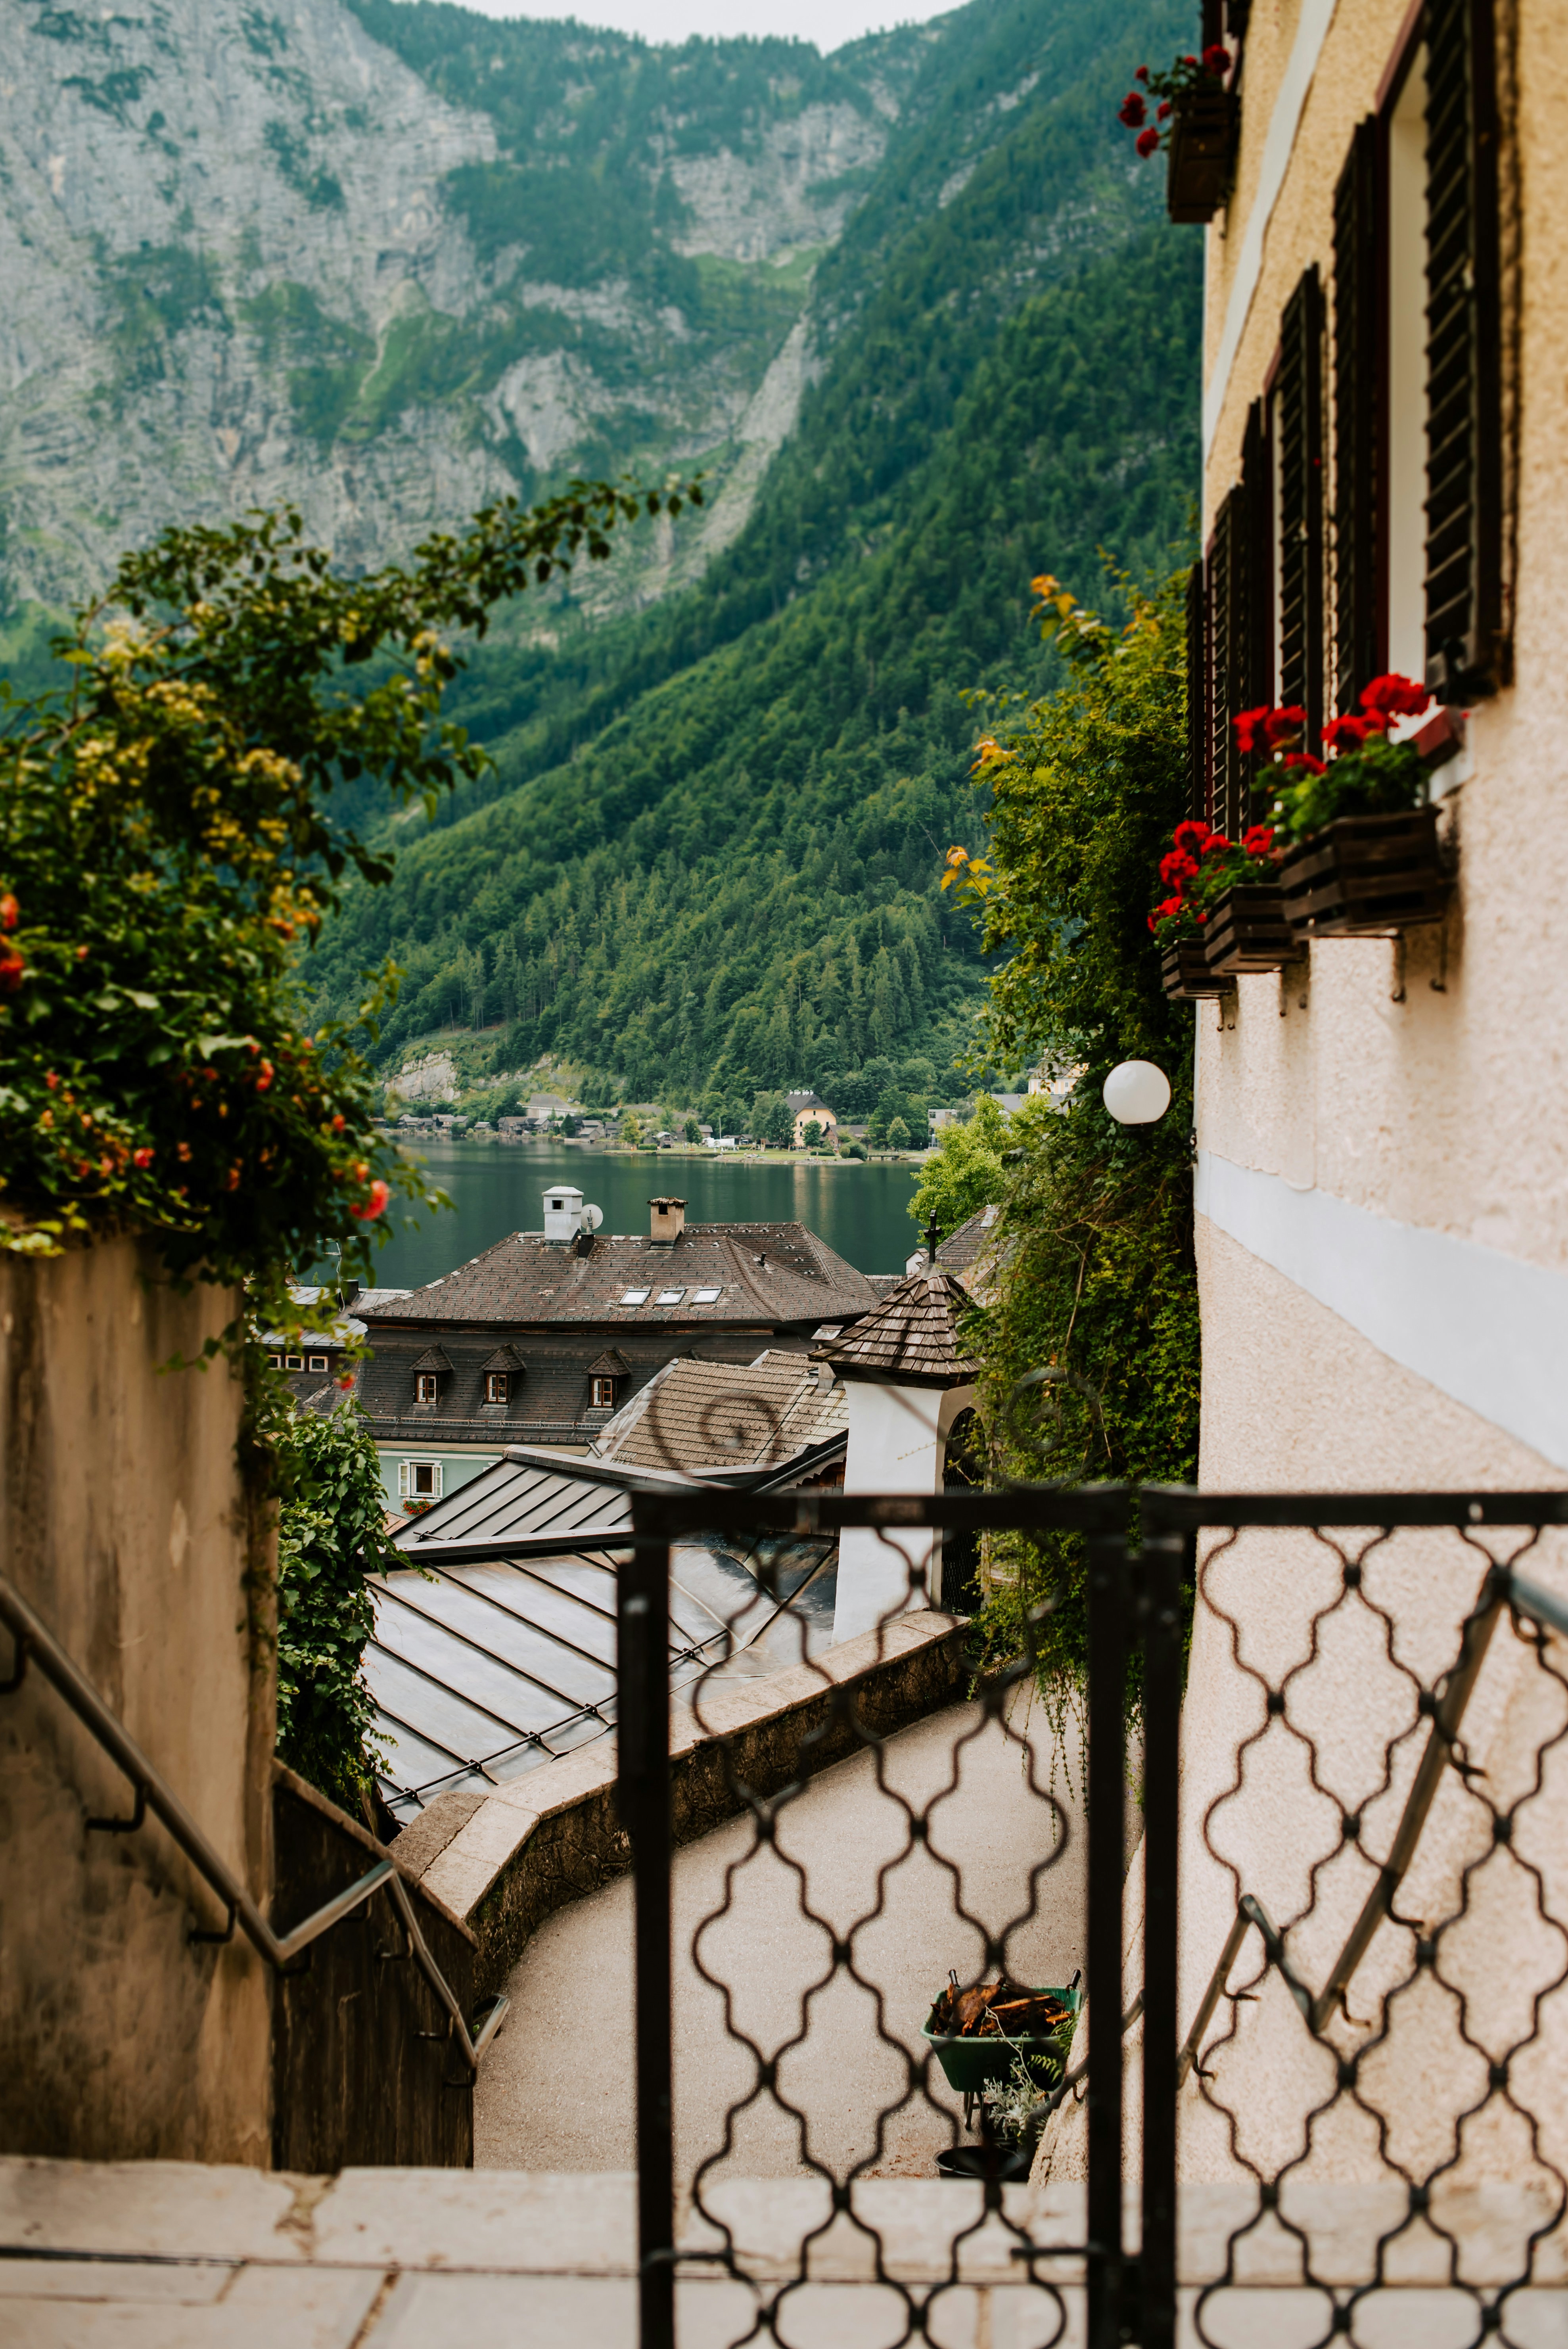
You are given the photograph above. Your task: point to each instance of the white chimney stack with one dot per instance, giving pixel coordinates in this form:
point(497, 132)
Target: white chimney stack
point(562, 1212)
point(667, 1221)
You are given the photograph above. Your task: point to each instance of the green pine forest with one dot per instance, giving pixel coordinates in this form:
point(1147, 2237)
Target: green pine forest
point(705, 862)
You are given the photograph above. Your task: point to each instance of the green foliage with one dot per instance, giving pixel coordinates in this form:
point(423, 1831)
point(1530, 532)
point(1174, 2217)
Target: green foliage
point(965, 1172)
point(165, 843)
point(898, 1136)
point(1097, 1305)
point(1379, 779)
point(770, 1121)
point(691, 1132)
point(330, 1535)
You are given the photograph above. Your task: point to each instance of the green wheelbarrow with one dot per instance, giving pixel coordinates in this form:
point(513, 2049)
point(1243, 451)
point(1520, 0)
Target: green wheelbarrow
point(970, 2062)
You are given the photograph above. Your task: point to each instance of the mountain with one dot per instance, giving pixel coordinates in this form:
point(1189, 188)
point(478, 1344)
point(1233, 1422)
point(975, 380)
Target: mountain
point(913, 310)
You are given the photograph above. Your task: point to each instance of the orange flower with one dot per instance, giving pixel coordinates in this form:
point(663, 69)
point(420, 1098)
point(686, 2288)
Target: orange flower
point(143, 1158)
point(182, 1152)
point(375, 1205)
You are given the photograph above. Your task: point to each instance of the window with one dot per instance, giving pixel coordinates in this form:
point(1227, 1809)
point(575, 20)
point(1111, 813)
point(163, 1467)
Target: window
point(634, 1295)
point(418, 1480)
point(669, 1296)
point(498, 1386)
point(294, 1361)
point(603, 1394)
point(318, 1362)
point(706, 1296)
point(276, 1360)
point(425, 1385)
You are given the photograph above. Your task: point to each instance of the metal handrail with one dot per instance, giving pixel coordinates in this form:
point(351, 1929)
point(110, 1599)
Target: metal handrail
point(35, 1643)
point(1507, 1588)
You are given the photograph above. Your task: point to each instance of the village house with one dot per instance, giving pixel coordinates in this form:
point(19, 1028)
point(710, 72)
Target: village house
point(810, 1109)
point(544, 1338)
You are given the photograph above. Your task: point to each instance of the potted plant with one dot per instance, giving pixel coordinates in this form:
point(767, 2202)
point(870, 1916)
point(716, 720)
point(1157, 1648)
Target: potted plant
point(979, 2035)
point(1196, 120)
point(1361, 855)
point(1182, 917)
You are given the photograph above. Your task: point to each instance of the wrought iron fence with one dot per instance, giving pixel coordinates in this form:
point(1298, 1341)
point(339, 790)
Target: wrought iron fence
point(1338, 1970)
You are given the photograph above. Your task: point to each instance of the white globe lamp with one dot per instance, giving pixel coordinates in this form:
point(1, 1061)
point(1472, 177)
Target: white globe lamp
point(1136, 1092)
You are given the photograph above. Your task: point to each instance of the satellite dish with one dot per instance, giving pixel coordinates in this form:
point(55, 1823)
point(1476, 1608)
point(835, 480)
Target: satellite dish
point(589, 1219)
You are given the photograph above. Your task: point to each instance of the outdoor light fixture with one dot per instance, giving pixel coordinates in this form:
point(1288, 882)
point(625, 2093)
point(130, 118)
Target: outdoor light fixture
point(1136, 1092)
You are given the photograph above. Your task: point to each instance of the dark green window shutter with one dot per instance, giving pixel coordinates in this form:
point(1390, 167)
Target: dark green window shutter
point(1197, 791)
point(1465, 653)
point(1357, 368)
point(1298, 414)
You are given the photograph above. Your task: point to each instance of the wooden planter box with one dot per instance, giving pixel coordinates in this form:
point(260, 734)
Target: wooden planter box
point(1247, 930)
point(1365, 876)
point(1185, 970)
point(1203, 128)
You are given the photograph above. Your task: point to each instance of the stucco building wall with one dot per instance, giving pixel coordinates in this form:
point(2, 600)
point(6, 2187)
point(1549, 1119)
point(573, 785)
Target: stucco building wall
point(124, 1523)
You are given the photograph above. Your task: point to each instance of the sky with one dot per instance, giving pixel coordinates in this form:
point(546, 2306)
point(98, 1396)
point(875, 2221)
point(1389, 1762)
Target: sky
point(828, 23)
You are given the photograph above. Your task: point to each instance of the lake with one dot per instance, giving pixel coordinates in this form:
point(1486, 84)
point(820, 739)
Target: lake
point(861, 1210)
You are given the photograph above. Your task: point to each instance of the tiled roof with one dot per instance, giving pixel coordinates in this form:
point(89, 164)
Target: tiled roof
point(972, 1251)
point(766, 1273)
point(703, 1416)
point(912, 1338)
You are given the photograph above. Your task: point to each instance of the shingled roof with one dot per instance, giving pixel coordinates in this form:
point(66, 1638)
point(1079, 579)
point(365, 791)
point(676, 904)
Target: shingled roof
point(699, 1416)
point(911, 1337)
point(776, 1273)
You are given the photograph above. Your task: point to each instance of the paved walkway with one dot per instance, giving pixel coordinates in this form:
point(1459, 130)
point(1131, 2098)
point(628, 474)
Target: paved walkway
point(556, 2091)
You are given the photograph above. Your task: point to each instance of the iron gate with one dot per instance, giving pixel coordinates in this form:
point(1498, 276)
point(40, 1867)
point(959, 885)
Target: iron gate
point(1338, 1641)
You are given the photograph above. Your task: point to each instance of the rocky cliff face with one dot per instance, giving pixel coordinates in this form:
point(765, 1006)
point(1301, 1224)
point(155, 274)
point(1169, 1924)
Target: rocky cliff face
point(250, 254)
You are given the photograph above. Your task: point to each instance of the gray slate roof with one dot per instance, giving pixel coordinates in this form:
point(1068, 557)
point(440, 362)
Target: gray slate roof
point(768, 1273)
point(910, 1338)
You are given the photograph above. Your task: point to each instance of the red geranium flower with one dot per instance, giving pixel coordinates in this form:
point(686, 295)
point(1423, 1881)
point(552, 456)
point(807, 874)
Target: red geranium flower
point(1162, 109)
point(1133, 111)
point(1280, 724)
point(1147, 141)
point(13, 971)
point(141, 1158)
point(10, 912)
point(1349, 733)
point(1249, 726)
point(375, 1206)
point(1191, 834)
point(1217, 844)
point(1142, 74)
point(1394, 697)
point(1217, 59)
point(1258, 839)
point(1304, 759)
point(1177, 867)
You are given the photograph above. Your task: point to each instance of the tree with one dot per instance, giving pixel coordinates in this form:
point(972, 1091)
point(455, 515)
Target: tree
point(770, 1121)
point(166, 851)
point(331, 1534)
point(1094, 1240)
point(898, 1135)
point(811, 1133)
point(965, 1172)
point(632, 1130)
point(691, 1131)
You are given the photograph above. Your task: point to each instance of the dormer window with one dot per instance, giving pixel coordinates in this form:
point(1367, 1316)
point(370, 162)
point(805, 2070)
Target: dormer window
point(318, 1362)
point(501, 1379)
point(426, 1384)
point(498, 1387)
point(603, 1394)
point(294, 1361)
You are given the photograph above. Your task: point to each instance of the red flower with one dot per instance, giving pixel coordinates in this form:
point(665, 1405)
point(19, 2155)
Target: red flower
point(10, 912)
point(1258, 839)
point(1349, 733)
point(1191, 834)
point(1177, 867)
point(13, 971)
point(1395, 696)
point(1249, 725)
point(1217, 844)
point(1162, 109)
point(1280, 725)
point(1304, 759)
point(263, 1076)
point(1133, 111)
point(1189, 61)
point(347, 1379)
point(379, 1195)
point(141, 1158)
point(1142, 74)
point(51, 1079)
point(1147, 141)
point(1217, 59)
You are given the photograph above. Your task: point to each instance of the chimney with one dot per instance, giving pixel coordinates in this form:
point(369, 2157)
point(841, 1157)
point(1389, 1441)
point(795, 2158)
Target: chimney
point(668, 1221)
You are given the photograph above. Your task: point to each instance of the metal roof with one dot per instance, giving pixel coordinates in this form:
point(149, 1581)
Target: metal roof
point(495, 1651)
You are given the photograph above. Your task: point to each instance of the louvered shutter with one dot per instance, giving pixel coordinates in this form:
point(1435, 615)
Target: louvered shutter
point(1222, 705)
point(1357, 358)
point(1298, 411)
point(1464, 339)
point(1198, 760)
point(1251, 648)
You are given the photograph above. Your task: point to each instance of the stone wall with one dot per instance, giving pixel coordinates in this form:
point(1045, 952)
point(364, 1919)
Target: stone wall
point(126, 1524)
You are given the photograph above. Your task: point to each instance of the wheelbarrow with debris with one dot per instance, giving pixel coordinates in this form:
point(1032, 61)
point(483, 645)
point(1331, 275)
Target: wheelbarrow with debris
point(979, 2033)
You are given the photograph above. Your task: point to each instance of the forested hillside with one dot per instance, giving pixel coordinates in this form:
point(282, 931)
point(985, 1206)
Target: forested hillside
point(707, 855)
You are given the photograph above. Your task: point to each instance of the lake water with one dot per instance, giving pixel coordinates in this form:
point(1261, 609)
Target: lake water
point(861, 1210)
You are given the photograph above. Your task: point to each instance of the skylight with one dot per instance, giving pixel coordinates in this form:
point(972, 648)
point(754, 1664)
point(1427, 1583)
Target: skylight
point(633, 1296)
point(705, 1296)
point(669, 1296)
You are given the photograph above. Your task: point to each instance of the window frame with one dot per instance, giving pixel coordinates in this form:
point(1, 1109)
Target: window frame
point(427, 1379)
point(498, 1386)
point(601, 1392)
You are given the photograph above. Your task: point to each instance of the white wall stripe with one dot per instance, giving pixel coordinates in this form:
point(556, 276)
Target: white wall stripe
point(1316, 15)
point(1487, 1329)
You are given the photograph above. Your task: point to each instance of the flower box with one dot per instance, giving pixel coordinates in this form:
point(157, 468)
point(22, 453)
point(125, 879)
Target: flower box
point(1365, 876)
point(1247, 930)
point(1184, 969)
point(1203, 127)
